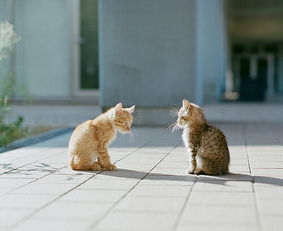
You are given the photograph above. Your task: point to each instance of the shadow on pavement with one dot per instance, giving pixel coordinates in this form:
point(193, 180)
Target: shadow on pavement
point(133, 174)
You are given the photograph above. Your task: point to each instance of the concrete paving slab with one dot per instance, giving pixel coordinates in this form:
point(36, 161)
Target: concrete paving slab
point(149, 191)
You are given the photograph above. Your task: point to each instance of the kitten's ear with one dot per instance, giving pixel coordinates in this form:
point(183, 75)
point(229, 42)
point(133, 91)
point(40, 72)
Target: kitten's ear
point(118, 107)
point(131, 109)
point(186, 103)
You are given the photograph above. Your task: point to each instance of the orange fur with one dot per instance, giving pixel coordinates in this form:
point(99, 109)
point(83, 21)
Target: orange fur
point(88, 145)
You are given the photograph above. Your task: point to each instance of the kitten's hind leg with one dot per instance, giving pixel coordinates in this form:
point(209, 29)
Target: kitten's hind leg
point(210, 167)
point(85, 167)
point(84, 164)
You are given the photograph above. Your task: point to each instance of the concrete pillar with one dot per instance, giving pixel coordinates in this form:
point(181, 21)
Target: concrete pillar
point(146, 51)
point(280, 69)
point(154, 53)
point(270, 75)
point(211, 50)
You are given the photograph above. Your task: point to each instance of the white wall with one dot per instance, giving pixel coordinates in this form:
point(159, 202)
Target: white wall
point(43, 56)
point(5, 10)
point(5, 15)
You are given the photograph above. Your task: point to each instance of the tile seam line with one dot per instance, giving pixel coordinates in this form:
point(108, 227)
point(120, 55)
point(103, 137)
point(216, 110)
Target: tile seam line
point(57, 198)
point(119, 200)
point(50, 202)
point(176, 224)
point(144, 145)
point(258, 220)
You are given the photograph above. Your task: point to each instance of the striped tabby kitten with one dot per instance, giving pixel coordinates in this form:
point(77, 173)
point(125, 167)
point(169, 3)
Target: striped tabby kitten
point(209, 153)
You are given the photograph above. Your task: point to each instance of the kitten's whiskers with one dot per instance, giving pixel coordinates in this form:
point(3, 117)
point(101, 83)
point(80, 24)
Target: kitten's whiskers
point(131, 136)
point(175, 110)
point(173, 127)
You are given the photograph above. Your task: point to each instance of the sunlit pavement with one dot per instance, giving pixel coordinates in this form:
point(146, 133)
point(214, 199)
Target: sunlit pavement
point(151, 189)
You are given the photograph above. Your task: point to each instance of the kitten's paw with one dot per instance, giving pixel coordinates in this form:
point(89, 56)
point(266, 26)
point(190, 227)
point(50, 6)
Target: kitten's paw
point(110, 167)
point(198, 171)
point(101, 166)
point(191, 171)
point(96, 167)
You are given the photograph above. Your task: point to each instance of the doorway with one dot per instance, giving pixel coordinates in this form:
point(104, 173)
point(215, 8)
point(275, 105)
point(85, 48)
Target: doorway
point(253, 71)
point(89, 68)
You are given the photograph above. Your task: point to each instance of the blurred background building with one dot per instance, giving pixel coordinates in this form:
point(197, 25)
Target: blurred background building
point(152, 53)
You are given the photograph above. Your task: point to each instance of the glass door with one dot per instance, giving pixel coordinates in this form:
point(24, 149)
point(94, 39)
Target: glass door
point(88, 45)
point(254, 72)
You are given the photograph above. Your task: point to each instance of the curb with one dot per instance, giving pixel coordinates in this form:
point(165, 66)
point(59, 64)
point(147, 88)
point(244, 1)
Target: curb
point(35, 139)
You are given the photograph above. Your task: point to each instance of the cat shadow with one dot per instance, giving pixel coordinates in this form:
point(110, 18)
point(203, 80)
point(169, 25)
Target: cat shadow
point(217, 180)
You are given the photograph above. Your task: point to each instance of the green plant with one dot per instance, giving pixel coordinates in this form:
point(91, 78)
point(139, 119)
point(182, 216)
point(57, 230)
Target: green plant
point(14, 130)
point(8, 131)
point(11, 131)
point(6, 89)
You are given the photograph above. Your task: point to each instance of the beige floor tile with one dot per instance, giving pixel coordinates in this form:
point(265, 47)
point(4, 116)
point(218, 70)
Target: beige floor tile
point(149, 204)
point(138, 221)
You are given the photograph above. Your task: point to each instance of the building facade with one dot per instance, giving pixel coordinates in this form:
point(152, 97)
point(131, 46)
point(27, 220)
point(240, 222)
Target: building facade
point(47, 62)
point(151, 53)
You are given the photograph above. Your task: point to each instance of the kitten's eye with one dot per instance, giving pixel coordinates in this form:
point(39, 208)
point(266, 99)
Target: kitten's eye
point(183, 118)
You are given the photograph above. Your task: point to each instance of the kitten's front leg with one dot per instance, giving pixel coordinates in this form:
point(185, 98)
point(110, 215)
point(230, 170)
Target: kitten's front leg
point(104, 159)
point(192, 162)
point(100, 162)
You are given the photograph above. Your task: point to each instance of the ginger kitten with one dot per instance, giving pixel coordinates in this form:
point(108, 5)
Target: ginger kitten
point(88, 145)
point(208, 150)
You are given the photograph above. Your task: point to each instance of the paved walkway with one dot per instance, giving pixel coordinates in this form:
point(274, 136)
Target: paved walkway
point(150, 190)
